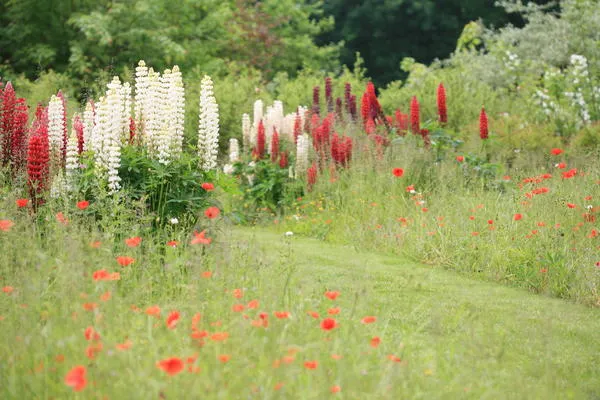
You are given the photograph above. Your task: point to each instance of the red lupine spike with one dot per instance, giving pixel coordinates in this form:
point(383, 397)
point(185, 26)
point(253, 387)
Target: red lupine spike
point(274, 145)
point(483, 124)
point(329, 94)
point(297, 127)
point(335, 148)
point(7, 112)
point(311, 175)
point(78, 128)
point(338, 109)
point(353, 111)
point(415, 123)
point(18, 140)
point(400, 123)
point(370, 126)
point(347, 97)
point(375, 110)
point(316, 108)
point(283, 159)
point(347, 151)
point(132, 128)
point(38, 166)
point(307, 120)
point(365, 107)
point(441, 103)
point(260, 140)
point(315, 122)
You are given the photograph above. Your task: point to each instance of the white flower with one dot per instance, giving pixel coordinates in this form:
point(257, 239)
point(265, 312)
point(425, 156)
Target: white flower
point(208, 126)
point(56, 127)
point(173, 221)
point(88, 124)
point(289, 233)
point(302, 148)
point(72, 162)
point(246, 132)
point(228, 169)
point(234, 150)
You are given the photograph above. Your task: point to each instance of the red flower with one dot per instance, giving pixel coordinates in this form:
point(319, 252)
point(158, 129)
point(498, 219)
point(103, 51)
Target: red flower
point(76, 378)
point(375, 341)
point(172, 243)
point(282, 314)
point(333, 311)
point(561, 165)
point(60, 217)
point(311, 364)
point(328, 324)
point(224, 358)
point(172, 320)
point(331, 295)
point(415, 125)
point(260, 140)
point(208, 186)
point(398, 172)
point(8, 289)
point(5, 225)
point(124, 261)
point(518, 217)
point(368, 320)
point(200, 238)
point(571, 205)
point(556, 151)
point(100, 275)
point(441, 103)
point(91, 334)
point(311, 175)
point(153, 310)
point(569, 174)
point(22, 203)
point(483, 124)
point(171, 366)
point(133, 241)
point(335, 389)
point(212, 212)
point(460, 158)
point(82, 205)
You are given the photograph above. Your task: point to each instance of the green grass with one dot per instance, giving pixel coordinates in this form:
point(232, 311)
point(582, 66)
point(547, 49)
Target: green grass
point(456, 337)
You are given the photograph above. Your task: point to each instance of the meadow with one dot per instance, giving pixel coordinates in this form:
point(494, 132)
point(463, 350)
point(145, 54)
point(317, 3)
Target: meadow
point(168, 235)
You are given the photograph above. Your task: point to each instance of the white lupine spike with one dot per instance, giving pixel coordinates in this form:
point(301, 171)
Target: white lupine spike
point(246, 132)
point(141, 91)
point(302, 148)
point(162, 136)
point(72, 161)
point(59, 185)
point(111, 144)
point(268, 122)
point(258, 116)
point(152, 109)
point(126, 95)
point(89, 116)
point(56, 127)
point(277, 117)
point(177, 100)
point(234, 150)
point(100, 125)
point(287, 129)
point(208, 126)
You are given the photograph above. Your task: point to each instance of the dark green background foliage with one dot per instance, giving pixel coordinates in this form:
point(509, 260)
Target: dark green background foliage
point(92, 39)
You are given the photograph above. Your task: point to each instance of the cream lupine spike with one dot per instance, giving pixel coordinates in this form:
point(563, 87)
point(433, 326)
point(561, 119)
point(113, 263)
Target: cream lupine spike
point(72, 162)
point(126, 94)
point(56, 126)
point(302, 148)
point(234, 150)
point(161, 146)
point(88, 124)
point(246, 132)
point(177, 100)
point(152, 109)
point(208, 126)
point(141, 91)
point(258, 116)
point(111, 143)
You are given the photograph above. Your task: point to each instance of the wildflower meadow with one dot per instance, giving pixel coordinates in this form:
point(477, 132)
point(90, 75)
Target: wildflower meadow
point(180, 234)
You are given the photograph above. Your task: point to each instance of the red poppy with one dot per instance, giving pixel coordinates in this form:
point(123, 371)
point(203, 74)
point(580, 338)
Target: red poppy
point(92, 350)
point(8, 289)
point(561, 165)
point(100, 275)
point(172, 319)
point(375, 341)
point(237, 308)
point(460, 158)
point(335, 389)
point(124, 261)
point(328, 324)
point(173, 243)
point(311, 364)
point(333, 311)
point(219, 336)
point(569, 174)
point(393, 358)
point(206, 274)
point(282, 314)
point(153, 310)
point(556, 151)
point(398, 172)
point(5, 225)
point(124, 346)
point(133, 241)
point(208, 186)
point(76, 378)
point(105, 296)
point(313, 314)
point(490, 222)
point(212, 212)
point(171, 366)
point(368, 320)
point(224, 358)
point(200, 238)
point(90, 306)
point(96, 244)
point(571, 205)
point(253, 304)
point(332, 295)
point(238, 293)
point(82, 205)
point(22, 203)
point(518, 217)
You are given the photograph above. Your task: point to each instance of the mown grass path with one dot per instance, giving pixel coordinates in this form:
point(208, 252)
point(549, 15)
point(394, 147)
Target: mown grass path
point(460, 338)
